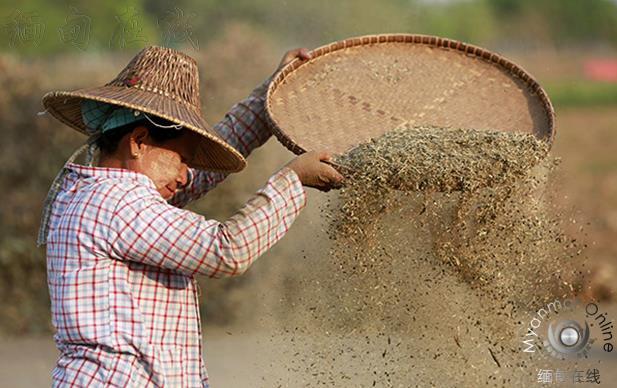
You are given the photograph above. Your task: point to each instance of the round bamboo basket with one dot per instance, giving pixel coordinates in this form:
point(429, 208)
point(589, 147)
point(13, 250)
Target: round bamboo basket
point(357, 89)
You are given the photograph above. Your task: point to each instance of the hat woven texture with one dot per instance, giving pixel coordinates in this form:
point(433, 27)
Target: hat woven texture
point(161, 82)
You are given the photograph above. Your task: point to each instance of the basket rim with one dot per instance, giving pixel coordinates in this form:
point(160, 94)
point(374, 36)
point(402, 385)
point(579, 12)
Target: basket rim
point(419, 39)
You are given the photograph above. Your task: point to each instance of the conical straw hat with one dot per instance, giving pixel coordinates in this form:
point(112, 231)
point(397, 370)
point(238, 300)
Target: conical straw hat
point(359, 88)
point(162, 82)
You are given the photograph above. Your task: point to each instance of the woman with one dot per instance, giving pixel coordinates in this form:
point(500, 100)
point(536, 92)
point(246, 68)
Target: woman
point(121, 253)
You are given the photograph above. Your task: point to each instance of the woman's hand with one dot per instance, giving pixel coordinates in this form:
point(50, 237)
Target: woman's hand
point(290, 55)
point(314, 173)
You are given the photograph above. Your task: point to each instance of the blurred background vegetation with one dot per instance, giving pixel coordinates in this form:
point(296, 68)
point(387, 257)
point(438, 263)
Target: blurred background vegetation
point(502, 24)
point(569, 45)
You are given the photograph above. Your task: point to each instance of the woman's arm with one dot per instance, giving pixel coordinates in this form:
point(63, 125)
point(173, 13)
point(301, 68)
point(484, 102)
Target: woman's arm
point(245, 128)
point(148, 230)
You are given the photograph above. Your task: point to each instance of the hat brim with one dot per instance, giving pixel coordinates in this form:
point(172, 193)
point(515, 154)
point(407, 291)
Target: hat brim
point(213, 153)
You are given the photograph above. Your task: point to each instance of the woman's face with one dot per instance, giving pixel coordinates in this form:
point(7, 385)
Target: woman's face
point(166, 163)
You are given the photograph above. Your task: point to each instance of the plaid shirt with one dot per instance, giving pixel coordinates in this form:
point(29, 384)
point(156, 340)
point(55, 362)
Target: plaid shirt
point(121, 263)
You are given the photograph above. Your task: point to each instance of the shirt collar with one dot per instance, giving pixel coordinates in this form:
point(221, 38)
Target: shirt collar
point(112, 173)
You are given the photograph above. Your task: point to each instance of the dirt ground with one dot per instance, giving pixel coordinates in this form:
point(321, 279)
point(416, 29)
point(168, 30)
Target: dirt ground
point(262, 349)
point(235, 358)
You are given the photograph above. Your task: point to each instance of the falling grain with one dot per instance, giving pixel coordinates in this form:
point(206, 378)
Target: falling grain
point(437, 231)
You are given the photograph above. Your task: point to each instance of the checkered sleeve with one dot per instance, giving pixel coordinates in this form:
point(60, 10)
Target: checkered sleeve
point(244, 127)
point(150, 231)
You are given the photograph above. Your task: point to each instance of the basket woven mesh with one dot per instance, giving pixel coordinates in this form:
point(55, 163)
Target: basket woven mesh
point(359, 88)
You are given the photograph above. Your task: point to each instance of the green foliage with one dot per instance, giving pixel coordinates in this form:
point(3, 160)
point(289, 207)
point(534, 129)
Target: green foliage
point(559, 22)
point(582, 93)
point(37, 27)
point(310, 23)
point(470, 21)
